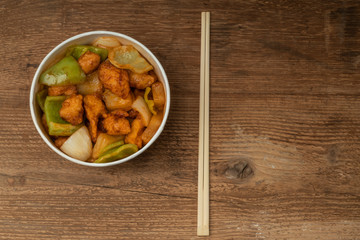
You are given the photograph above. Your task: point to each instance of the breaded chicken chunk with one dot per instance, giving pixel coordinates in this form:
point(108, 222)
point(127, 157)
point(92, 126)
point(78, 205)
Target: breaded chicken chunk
point(114, 79)
point(137, 128)
point(59, 141)
point(62, 90)
point(142, 81)
point(115, 123)
point(117, 113)
point(72, 109)
point(133, 113)
point(94, 108)
point(138, 92)
point(89, 61)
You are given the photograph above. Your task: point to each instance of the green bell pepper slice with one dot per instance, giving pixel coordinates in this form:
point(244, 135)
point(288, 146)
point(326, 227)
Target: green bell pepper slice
point(65, 72)
point(111, 146)
point(150, 103)
point(57, 126)
point(40, 98)
point(117, 153)
point(78, 50)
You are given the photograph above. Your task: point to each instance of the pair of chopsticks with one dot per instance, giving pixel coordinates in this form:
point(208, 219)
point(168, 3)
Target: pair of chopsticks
point(203, 171)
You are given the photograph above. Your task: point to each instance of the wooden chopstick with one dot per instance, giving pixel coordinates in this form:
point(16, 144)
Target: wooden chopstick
point(203, 171)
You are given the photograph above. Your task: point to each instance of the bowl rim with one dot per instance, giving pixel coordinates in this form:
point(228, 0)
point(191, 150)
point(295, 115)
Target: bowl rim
point(62, 44)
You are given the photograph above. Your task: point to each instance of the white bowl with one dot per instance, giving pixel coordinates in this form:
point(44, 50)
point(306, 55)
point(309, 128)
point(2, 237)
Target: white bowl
point(87, 38)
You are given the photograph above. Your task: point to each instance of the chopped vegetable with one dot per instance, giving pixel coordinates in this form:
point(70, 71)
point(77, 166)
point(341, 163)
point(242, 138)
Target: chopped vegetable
point(152, 128)
point(113, 101)
point(158, 95)
point(61, 129)
point(40, 98)
point(117, 153)
point(78, 50)
point(127, 57)
point(57, 126)
point(102, 141)
point(66, 71)
point(150, 103)
point(91, 85)
point(43, 120)
point(78, 145)
point(106, 42)
point(140, 106)
point(111, 146)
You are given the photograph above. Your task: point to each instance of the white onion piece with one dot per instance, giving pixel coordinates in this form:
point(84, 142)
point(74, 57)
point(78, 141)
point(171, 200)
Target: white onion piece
point(113, 101)
point(91, 85)
point(78, 145)
point(140, 105)
point(107, 42)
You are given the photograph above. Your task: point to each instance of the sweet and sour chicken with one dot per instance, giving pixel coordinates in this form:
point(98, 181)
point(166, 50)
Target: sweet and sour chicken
point(101, 102)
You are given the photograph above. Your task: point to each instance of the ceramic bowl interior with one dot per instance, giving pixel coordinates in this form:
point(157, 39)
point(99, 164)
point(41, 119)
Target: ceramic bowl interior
point(87, 38)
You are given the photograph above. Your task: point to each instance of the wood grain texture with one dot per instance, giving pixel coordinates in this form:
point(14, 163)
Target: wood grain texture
point(284, 124)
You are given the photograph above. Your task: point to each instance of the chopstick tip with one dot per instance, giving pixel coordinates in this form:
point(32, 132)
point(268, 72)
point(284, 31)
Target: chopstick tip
point(203, 230)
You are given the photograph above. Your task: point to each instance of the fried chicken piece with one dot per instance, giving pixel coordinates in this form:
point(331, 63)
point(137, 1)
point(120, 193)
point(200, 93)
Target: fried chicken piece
point(62, 90)
point(59, 141)
point(114, 79)
point(137, 128)
point(94, 108)
point(142, 81)
point(138, 92)
point(72, 110)
point(133, 113)
point(115, 123)
point(117, 113)
point(89, 61)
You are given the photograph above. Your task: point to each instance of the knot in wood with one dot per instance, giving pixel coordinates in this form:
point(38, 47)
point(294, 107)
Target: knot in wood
point(239, 170)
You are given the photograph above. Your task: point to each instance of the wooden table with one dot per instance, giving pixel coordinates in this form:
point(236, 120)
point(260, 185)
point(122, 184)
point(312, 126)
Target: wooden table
point(284, 124)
